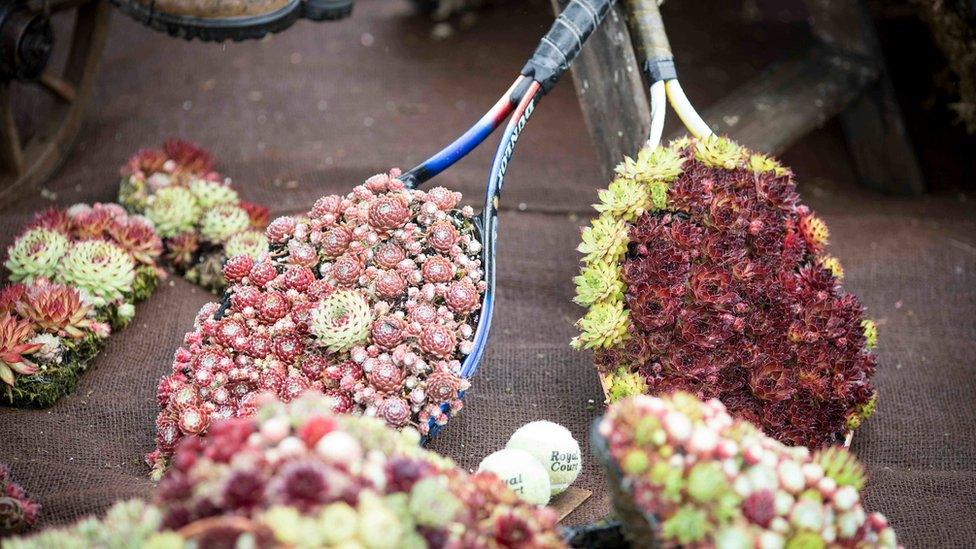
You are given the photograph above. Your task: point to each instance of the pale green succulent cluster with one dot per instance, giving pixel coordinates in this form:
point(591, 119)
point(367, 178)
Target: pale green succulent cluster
point(342, 321)
point(173, 210)
point(377, 521)
point(250, 243)
point(131, 523)
point(720, 152)
point(870, 328)
point(623, 383)
point(36, 254)
point(641, 186)
point(101, 271)
point(213, 193)
point(224, 221)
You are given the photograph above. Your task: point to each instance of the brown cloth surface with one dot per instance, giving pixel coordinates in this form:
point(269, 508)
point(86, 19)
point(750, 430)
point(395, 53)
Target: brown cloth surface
point(319, 108)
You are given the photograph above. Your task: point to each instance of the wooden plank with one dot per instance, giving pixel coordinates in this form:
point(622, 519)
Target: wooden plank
point(873, 123)
point(789, 99)
point(611, 91)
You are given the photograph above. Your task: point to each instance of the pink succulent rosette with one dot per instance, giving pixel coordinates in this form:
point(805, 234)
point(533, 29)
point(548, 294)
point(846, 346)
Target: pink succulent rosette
point(371, 298)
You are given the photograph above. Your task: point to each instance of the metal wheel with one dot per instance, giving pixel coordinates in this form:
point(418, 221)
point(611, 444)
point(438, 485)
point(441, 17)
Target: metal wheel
point(49, 54)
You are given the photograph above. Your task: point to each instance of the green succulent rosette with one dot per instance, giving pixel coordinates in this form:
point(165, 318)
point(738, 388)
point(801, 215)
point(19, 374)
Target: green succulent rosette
point(173, 210)
point(222, 222)
point(101, 271)
point(249, 243)
point(213, 193)
point(36, 254)
point(341, 321)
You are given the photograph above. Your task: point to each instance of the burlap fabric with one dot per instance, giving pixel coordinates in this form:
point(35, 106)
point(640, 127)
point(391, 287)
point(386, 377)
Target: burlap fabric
point(320, 107)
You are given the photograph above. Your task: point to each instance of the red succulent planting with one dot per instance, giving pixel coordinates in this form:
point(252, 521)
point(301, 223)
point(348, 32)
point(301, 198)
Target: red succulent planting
point(306, 476)
point(56, 309)
point(350, 301)
point(724, 293)
point(17, 511)
point(188, 156)
point(15, 346)
point(181, 249)
point(257, 213)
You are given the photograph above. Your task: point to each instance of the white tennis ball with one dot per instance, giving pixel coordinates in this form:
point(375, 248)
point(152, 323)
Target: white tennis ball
point(555, 448)
point(521, 472)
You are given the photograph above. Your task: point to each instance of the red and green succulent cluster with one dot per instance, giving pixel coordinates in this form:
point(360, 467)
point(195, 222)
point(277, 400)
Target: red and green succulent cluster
point(76, 275)
point(370, 298)
point(704, 273)
point(196, 211)
point(17, 511)
point(297, 475)
point(688, 474)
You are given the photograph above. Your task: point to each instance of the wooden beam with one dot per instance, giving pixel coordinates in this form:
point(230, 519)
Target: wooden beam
point(611, 91)
point(873, 123)
point(789, 99)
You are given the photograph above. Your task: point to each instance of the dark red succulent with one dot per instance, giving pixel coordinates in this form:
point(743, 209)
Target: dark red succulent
point(727, 296)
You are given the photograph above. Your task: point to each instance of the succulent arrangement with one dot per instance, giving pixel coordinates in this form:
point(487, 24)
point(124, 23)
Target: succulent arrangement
point(76, 275)
point(17, 511)
point(370, 298)
point(685, 473)
point(196, 211)
point(704, 273)
point(297, 475)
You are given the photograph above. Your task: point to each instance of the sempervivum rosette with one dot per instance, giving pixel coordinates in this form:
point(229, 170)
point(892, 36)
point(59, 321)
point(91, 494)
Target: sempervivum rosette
point(80, 272)
point(102, 271)
point(703, 273)
point(17, 511)
point(297, 475)
point(36, 254)
point(198, 213)
point(370, 298)
point(685, 473)
point(310, 478)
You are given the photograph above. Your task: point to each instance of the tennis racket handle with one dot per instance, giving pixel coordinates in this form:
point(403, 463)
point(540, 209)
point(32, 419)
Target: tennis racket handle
point(560, 46)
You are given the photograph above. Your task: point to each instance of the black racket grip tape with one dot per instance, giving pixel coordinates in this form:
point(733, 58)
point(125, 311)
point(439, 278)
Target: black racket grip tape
point(560, 46)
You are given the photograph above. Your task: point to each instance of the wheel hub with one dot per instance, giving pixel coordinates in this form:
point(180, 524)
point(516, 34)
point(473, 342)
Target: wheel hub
point(26, 42)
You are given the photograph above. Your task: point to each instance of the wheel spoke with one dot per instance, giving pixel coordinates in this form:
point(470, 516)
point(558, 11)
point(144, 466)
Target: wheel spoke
point(11, 153)
point(61, 88)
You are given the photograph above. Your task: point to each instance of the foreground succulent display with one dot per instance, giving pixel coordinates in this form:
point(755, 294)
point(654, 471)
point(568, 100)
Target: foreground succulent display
point(17, 511)
point(685, 473)
point(704, 273)
point(199, 215)
point(371, 298)
point(296, 475)
point(76, 275)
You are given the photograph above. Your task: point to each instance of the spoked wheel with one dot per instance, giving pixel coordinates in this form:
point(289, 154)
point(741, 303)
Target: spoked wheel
point(49, 53)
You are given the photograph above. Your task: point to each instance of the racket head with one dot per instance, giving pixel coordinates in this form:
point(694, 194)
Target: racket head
point(471, 362)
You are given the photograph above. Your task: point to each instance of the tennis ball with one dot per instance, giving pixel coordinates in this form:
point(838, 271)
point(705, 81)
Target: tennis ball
point(521, 472)
point(554, 447)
